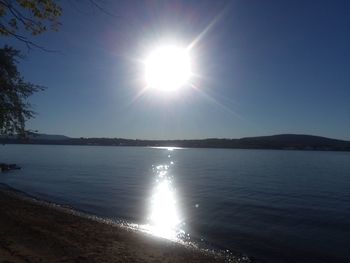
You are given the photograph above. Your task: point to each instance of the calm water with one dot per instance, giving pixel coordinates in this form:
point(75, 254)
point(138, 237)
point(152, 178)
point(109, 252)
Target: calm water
point(278, 206)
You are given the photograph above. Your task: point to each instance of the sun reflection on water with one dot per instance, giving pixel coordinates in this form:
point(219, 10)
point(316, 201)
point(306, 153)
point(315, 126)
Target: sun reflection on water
point(164, 219)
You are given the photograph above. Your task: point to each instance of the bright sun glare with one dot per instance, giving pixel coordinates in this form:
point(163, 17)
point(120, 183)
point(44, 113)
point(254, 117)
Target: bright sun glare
point(168, 68)
point(164, 219)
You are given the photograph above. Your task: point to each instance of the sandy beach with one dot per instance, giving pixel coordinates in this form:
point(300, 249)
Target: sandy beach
point(34, 232)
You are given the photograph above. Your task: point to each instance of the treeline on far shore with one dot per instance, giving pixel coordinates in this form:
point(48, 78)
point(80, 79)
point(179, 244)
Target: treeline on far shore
point(283, 141)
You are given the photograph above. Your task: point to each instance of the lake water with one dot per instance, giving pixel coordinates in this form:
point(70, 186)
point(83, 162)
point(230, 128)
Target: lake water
point(277, 206)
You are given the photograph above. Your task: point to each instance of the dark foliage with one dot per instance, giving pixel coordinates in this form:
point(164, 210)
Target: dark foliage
point(20, 17)
point(14, 92)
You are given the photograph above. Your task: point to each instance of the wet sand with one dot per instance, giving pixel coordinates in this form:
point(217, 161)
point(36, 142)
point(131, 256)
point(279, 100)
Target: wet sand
point(33, 232)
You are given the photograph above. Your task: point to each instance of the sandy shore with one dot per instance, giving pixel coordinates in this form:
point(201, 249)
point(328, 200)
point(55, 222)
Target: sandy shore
point(33, 232)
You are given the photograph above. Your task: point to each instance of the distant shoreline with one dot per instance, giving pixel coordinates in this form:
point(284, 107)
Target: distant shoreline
point(274, 142)
point(33, 230)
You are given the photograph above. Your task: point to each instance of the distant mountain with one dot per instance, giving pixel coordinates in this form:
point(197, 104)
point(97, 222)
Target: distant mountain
point(294, 141)
point(41, 136)
point(282, 141)
point(38, 136)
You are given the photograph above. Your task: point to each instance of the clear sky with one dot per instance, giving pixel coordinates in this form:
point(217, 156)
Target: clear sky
point(262, 67)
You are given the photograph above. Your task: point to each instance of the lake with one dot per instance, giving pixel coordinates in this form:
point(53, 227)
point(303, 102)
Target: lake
point(274, 205)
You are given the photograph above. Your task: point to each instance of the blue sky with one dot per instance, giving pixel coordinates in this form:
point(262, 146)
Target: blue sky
point(264, 67)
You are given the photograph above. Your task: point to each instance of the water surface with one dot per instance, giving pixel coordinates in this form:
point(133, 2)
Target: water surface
point(278, 206)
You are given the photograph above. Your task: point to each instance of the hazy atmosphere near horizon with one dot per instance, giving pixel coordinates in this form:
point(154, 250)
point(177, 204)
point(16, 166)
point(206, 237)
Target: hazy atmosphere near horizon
point(258, 68)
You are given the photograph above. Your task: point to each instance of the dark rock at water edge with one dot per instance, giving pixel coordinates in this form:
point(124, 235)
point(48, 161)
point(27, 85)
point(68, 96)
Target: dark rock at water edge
point(7, 167)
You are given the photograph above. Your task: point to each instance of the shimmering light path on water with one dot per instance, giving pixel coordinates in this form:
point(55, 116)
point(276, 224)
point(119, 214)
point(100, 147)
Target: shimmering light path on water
point(164, 219)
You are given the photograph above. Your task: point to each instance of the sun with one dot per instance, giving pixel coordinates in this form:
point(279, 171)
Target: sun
point(168, 68)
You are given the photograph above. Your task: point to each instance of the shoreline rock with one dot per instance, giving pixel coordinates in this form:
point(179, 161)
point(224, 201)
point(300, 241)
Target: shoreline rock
point(8, 167)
